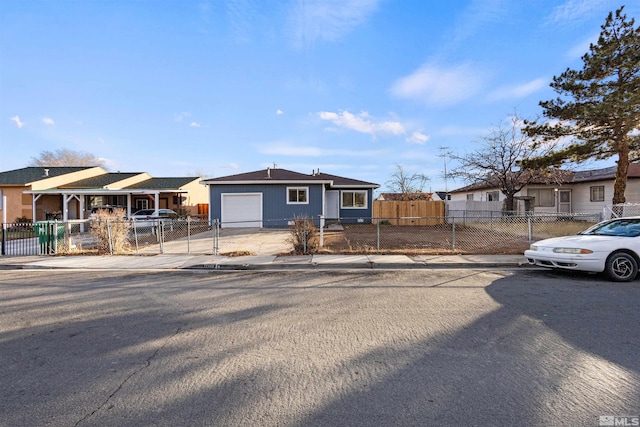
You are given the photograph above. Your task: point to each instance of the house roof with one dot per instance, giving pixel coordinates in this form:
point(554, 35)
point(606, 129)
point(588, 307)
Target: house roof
point(340, 181)
point(100, 181)
point(572, 177)
point(284, 176)
point(173, 183)
point(605, 174)
point(30, 174)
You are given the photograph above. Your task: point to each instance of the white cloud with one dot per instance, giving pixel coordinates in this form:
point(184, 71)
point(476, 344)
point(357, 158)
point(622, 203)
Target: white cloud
point(581, 48)
point(362, 123)
point(437, 86)
point(575, 11)
point(478, 14)
point(181, 116)
point(518, 91)
point(17, 121)
point(194, 125)
point(284, 149)
point(48, 121)
point(327, 20)
point(279, 112)
point(418, 138)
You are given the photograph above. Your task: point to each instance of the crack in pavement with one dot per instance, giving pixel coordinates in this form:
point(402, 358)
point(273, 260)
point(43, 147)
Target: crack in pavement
point(145, 366)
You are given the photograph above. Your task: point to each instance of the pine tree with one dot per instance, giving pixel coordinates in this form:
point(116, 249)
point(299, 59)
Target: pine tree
point(598, 107)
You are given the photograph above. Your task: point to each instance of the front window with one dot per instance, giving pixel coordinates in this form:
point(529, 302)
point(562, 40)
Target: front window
point(493, 196)
point(354, 199)
point(470, 196)
point(597, 193)
point(544, 197)
point(297, 195)
point(142, 204)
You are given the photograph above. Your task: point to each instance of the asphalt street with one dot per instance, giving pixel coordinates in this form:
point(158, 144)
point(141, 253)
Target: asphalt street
point(471, 347)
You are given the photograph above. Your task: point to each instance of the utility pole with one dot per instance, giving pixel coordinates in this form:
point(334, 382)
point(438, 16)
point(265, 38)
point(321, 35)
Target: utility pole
point(444, 152)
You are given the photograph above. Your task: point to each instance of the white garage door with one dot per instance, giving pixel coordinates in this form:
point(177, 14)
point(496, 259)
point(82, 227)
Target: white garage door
point(242, 210)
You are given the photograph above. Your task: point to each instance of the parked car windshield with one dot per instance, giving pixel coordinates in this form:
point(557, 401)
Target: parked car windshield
point(619, 227)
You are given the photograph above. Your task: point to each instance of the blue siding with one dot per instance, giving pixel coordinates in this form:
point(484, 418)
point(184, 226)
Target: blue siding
point(351, 216)
point(275, 210)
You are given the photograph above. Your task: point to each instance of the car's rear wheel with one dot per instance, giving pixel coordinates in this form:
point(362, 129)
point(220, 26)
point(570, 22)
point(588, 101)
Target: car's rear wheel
point(621, 267)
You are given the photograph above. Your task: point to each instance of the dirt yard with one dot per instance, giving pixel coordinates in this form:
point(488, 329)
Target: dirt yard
point(440, 239)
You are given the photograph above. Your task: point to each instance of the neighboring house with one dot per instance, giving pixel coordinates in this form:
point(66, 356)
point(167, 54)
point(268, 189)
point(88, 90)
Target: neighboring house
point(405, 196)
point(272, 197)
point(579, 192)
point(39, 193)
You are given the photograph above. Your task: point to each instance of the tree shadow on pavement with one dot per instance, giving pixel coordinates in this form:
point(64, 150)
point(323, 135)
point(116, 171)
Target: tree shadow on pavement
point(559, 350)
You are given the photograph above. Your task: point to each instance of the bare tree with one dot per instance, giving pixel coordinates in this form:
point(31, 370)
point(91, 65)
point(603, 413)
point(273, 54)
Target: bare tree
point(66, 157)
point(402, 182)
point(496, 163)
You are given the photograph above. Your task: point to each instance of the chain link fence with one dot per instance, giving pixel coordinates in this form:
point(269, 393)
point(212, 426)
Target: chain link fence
point(621, 210)
point(509, 234)
point(506, 234)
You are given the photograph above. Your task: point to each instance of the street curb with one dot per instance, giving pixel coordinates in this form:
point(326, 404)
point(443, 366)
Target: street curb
point(351, 266)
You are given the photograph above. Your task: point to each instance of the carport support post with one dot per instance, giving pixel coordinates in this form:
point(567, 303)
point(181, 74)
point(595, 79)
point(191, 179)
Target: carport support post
point(321, 230)
point(530, 228)
point(378, 235)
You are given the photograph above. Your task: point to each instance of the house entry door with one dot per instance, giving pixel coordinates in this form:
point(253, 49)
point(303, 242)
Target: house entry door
point(332, 204)
point(564, 205)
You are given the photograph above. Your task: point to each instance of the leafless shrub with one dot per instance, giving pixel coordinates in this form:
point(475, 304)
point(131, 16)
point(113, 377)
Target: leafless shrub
point(304, 236)
point(111, 230)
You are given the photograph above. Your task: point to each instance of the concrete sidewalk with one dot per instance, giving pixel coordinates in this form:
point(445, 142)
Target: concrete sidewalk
point(265, 262)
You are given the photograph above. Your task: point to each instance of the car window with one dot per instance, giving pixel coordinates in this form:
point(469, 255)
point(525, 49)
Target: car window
point(619, 227)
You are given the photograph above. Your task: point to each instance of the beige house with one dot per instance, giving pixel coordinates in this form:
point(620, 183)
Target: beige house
point(39, 193)
point(587, 191)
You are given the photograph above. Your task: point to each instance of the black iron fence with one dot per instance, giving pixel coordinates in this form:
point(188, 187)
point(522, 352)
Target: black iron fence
point(104, 237)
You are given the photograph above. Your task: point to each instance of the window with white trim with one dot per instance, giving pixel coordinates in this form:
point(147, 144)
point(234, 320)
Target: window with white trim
point(142, 204)
point(597, 193)
point(297, 195)
point(356, 199)
point(493, 196)
point(544, 197)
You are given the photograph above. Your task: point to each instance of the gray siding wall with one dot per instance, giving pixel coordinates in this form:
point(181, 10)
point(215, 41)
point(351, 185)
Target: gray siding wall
point(275, 210)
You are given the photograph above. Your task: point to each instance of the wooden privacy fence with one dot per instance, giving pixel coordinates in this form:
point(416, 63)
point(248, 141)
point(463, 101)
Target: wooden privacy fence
point(410, 212)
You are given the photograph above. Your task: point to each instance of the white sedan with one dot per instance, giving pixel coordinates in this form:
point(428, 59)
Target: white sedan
point(612, 246)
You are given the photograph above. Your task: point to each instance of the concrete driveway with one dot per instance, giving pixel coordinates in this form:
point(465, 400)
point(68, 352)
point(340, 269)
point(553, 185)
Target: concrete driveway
point(250, 241)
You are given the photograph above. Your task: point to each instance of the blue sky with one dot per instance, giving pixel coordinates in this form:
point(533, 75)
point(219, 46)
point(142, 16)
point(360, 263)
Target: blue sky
point(352, 87)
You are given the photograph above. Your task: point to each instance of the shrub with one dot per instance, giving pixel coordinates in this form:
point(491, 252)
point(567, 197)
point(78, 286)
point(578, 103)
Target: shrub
point(304, 236)
point(111, 230)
